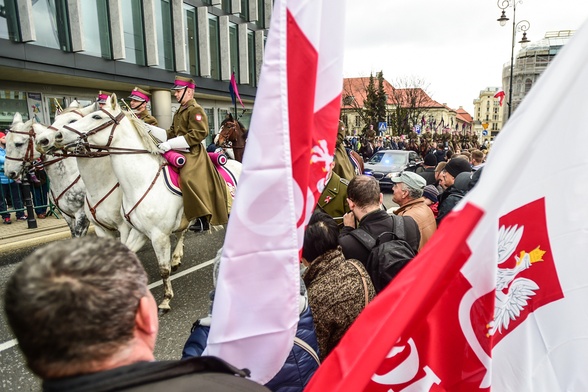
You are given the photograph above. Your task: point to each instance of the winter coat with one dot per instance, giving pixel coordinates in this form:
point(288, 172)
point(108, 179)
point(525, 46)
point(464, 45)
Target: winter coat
point(203, 190)
point(337, 294)
point(424, 217)
point(333, 199)
point(298, 368)
point(195, 374)
point(448, 200)
point(375, 223)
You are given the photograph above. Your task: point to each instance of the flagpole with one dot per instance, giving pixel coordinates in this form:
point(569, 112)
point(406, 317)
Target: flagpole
point(235, 100)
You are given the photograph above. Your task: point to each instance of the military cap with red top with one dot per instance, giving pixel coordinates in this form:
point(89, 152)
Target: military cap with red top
point(182, 82)
point(103, 96)
point(140, 95)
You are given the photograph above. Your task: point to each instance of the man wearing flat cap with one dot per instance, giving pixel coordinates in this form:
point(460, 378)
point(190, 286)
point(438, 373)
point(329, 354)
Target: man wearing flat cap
point(407, 192)
point(452, 194)
point(203, 190)
point(139, 100)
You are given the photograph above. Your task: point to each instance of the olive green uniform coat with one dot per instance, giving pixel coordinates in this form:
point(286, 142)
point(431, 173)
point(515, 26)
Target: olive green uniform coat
point(147, 118)
point(203, 189)
point(333, 199)
point(343, 166)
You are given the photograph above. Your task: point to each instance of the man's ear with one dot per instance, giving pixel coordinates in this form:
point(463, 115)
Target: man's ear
point(350, 203)
point(381, 198)
point(146, 317)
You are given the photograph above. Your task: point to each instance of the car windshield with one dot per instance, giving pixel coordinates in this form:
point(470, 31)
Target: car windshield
point(389, 158)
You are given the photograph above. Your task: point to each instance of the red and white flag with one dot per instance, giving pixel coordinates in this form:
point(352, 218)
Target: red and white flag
point(290, 146)
point(498, 297)
point(500, 95)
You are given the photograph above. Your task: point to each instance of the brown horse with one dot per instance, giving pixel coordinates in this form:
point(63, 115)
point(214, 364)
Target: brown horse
point(233, 135)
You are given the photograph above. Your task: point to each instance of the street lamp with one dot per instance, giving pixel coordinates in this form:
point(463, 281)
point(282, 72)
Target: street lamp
point(521, 26)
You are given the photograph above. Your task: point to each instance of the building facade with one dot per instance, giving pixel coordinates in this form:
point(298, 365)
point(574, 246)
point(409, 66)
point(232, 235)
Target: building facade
point(488, 114)
point(55, 51)
point(530, 63)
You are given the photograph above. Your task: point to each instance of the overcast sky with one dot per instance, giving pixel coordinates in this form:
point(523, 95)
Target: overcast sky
point(456, 46)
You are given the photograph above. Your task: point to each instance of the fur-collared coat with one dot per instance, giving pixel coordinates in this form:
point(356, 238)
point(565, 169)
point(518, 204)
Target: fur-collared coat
point(203, 189)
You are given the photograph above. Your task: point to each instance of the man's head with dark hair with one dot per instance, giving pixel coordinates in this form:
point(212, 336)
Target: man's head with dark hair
point(321, 235)
point(364, 191)
point(81, 306)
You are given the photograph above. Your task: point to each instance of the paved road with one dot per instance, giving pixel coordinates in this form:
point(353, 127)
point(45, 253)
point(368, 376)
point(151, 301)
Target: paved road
point(191, 284)
point(190, 302)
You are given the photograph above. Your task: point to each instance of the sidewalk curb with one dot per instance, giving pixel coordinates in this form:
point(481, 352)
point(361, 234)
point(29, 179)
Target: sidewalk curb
point(58, 235)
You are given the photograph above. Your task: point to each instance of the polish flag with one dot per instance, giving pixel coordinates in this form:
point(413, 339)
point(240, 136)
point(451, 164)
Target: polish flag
point(290, 147)
point(498, 297)
point(500, 95)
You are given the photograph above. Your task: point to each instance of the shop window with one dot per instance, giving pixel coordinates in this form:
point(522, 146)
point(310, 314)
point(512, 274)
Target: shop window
point(9, 27)
point(134, 33)
point(96, 28)
point(51, 24)
point(164, 28)
point(12, 102)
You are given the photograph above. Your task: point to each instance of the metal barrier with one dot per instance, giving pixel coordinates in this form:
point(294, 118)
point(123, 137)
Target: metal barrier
point(12, 201)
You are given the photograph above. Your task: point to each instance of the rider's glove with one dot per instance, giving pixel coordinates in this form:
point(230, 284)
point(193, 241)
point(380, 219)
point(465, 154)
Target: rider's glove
point(165, 147)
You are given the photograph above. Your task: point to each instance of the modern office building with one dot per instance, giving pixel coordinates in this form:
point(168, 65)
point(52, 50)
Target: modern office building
point(54, 51)
point(530, 62)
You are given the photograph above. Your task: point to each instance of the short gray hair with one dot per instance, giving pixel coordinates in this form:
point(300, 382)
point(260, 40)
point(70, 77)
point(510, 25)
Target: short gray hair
point(72, 304)
point(412, 193)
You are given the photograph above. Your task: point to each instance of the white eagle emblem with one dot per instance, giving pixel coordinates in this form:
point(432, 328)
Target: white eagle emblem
point(320, 154)
point(510, 304)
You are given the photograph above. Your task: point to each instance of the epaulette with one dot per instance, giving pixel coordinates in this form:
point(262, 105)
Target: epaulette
point(344, 180)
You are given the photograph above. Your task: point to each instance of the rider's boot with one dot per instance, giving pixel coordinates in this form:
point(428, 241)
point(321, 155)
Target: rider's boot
point(199, 225)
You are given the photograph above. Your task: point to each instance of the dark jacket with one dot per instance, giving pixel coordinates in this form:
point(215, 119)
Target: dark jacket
point(429, 175)
point(375, 223)
point(196, 374)
point(298, 368)
point(448, 200)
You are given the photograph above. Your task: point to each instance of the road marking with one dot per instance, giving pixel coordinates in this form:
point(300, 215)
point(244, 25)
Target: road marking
point(11, 343)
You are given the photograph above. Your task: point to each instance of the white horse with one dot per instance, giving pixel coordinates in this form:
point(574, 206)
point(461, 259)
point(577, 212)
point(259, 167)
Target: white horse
point(147, 203)
point(103, 194)
point(66, 189)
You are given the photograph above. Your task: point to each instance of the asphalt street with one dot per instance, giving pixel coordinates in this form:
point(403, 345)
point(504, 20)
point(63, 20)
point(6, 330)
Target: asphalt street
point(191, 284)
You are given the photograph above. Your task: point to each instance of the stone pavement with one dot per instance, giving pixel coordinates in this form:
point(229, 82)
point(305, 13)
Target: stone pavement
point(18, 235)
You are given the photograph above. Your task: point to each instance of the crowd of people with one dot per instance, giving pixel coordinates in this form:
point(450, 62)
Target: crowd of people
point(68, 286)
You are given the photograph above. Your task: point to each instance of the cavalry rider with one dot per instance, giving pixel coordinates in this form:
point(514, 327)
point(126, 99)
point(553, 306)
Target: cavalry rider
point(204, 191)
point(139, 100)
point(102, 97)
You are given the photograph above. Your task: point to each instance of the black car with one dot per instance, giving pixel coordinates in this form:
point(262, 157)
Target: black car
point(386, 164)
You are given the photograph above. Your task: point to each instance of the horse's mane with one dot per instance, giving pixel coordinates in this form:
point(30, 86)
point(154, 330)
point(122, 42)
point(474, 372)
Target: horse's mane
point(148, 142)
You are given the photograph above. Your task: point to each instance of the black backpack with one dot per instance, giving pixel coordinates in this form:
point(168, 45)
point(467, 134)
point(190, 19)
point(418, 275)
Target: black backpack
point(389, 253)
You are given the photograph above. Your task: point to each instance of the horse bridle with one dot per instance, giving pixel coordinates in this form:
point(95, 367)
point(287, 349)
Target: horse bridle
point(230, 132)
point(84, 148)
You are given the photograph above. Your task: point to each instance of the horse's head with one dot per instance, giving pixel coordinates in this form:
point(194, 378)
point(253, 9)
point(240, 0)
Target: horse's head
point(87, 130)
point(231, 131)
point(20, 152)
point(45, 141)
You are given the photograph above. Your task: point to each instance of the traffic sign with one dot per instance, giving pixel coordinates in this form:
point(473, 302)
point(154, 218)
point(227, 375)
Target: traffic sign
point(484, 133)
point(382, 126)
point(417, 129)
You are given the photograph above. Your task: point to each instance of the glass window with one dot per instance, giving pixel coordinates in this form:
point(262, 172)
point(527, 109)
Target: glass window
point(51, 24)
point(9, 27)
point(234, 49)
point(214, 47)
point(244, 9)
point(251, 58)
point(226, 6)
point(132, 13)
point(210, 114)
point(260, 14)
point(96, 29)
point(10, 103)
point(191, 21)
point(165, 40)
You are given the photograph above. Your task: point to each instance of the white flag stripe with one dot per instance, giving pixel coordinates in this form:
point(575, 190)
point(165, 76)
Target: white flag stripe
point(541, 152)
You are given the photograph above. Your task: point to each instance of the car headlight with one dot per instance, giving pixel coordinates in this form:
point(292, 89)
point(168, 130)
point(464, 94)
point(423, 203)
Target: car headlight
point(392, 175)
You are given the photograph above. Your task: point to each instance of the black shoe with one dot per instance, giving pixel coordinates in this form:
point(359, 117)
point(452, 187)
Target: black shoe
point(201, 224)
